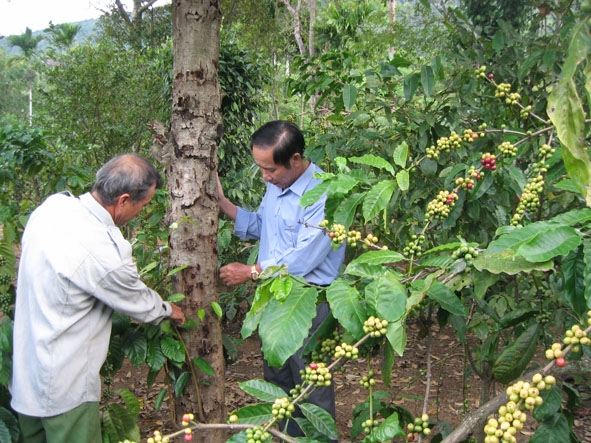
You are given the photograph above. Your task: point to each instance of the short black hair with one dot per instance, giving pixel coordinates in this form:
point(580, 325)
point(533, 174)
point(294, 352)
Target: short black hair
point(283, 137)
point(126, 174)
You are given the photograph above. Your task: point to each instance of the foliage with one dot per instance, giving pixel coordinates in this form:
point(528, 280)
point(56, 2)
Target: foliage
point(139, 30)
point(441, 158)
point(26, 42)
point(350, 24)
point(15, 80)
point(95, 83)
point(462, 163)
point(63, 35)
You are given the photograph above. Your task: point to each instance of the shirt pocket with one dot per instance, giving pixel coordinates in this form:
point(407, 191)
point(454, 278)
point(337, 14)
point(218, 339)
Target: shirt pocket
point(288, 231)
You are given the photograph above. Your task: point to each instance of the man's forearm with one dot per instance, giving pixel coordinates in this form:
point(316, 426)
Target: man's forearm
point(228, 208)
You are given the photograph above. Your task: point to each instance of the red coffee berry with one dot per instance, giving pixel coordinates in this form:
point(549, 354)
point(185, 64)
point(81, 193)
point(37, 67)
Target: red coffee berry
point(560, 362)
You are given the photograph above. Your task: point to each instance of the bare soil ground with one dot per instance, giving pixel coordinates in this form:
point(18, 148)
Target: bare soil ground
point(453, 394)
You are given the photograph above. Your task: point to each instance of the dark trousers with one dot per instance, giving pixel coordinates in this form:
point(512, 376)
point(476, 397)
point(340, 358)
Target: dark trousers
point(288, 376)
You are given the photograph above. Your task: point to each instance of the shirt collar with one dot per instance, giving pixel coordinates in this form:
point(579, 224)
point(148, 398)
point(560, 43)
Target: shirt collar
point(301, 185)
point(96, 209)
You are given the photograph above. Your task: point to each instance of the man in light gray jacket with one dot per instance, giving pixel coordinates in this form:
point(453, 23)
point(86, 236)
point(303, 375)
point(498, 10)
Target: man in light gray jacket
point(75, 270)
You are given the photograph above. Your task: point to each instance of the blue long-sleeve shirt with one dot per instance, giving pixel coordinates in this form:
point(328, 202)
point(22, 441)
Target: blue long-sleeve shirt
point(279, 224)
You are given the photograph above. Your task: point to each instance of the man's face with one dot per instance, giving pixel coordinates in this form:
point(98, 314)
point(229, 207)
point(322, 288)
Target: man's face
point(277, 175)
point(126, 210)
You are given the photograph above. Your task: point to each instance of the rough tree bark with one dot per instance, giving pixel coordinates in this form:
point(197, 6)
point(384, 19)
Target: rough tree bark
point(190, 159)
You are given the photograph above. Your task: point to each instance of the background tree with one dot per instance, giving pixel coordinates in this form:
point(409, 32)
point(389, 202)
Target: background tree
point(63, 35)
point(14, 87)
point(26, 42)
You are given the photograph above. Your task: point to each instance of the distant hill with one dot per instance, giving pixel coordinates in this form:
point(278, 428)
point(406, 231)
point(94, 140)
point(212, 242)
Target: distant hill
point(86, 31)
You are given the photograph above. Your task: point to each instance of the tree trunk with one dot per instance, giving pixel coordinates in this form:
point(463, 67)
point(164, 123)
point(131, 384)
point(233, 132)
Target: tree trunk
point(196, 129)
point(311, 34)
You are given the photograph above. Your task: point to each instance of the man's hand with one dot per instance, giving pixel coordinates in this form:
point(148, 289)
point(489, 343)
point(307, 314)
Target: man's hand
point(178, 316)
point(235, 273)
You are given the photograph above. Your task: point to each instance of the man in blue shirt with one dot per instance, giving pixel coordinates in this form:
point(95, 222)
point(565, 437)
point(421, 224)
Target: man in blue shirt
point(278, 151)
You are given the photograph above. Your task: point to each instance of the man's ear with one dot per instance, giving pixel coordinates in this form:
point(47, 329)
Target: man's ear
point(123, 198)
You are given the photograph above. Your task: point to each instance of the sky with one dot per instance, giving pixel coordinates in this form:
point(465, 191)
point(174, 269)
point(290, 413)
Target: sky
point(17, 15)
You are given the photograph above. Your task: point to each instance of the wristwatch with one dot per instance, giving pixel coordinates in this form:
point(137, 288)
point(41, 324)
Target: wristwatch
point(254, 274)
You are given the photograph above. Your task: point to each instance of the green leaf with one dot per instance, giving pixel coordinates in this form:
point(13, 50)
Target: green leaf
point(281, 287)
point(446, 298)
point(173, 349)
point(555, 241)
point(403, 180)
point(155, 359)
point(574, 217)
point(250, 323)
point(148, 268)
point(204, 366)
point(175, 298)
point(400, 155)
point(411, 83)
point(135, 346)
point(160, 398)
point(262, 390)
point(377, 199)
point(217, 309)
point(389, 429)
point(378, 257)
point(567, 185)
point(120, 423)
point(9, 427)
point(587, 272)
point(427, 80)
point(345, 212)
point(387, 364)
point(501, 262)
point(284, 326)
point(396, 336)
point(320, 419)
point(349, 96)
point(364, 270)
point(387, 296)
point(573, 269)
point(255, 414)
point(551, 405)
point(566, 112)
point(554, 429)
point(341, 185)
point(511, 363)
point(131, 402)
point(375, 161)
point(175, 270)
point(515, 317)
point(313, 195)
point(347, 307)
point(180, 384)
point(528, 248)
point(498, 40)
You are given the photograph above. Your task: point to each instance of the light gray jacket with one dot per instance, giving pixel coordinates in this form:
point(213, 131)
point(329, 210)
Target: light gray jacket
point(75, 270)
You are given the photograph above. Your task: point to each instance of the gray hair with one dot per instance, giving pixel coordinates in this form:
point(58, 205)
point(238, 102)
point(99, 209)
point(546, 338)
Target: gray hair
point(126, 174)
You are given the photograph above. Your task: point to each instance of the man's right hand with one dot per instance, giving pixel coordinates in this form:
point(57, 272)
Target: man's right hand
point(178, 316)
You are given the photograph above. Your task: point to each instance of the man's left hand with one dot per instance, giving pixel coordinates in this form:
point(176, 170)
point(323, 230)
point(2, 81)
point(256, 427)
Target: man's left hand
point(235, 273)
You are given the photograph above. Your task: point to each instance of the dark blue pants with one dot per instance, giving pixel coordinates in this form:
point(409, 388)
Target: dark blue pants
point(288, 376)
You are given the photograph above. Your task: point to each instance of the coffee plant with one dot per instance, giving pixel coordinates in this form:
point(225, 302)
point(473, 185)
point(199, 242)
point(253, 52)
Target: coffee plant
point(460, 185)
